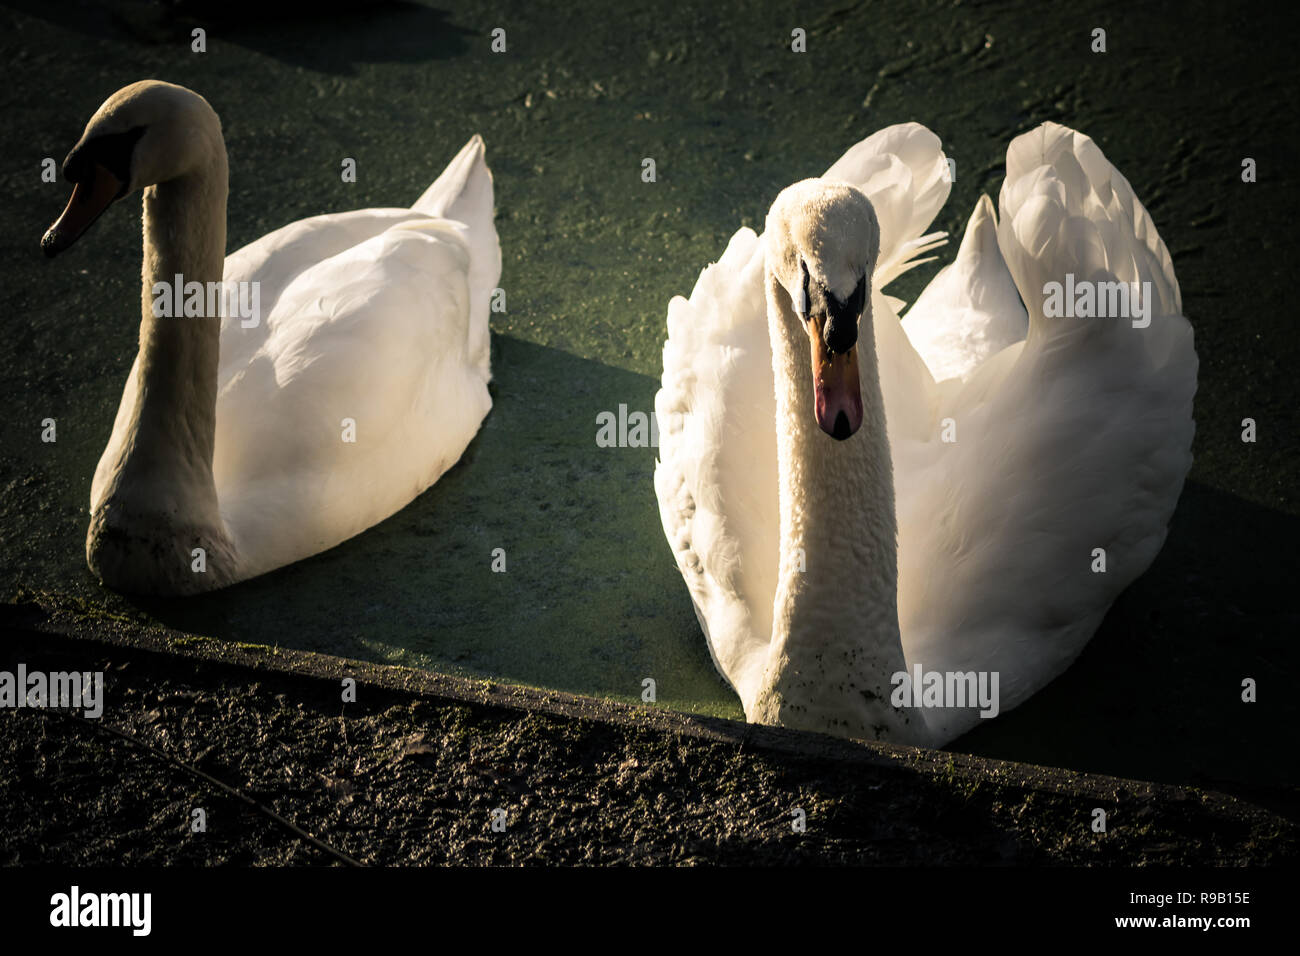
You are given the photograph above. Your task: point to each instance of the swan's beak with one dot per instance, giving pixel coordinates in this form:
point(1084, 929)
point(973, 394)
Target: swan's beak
point(90, 198)
point(836, 387)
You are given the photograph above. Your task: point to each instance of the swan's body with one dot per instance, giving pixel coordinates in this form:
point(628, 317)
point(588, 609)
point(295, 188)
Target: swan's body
point(1070, 435)
point(362, 381)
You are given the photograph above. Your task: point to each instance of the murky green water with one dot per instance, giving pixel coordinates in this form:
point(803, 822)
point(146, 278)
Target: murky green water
point(591, 601)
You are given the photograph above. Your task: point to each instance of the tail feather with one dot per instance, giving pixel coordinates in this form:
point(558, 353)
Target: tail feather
point(463, 193)
point(463, 190)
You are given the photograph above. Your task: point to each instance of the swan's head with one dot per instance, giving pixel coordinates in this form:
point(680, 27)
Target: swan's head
point(146, 133)
point(822, 241)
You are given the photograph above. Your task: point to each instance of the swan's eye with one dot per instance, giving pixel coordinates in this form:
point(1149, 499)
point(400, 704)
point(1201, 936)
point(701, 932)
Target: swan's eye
point(109, 150)
point(801, 306)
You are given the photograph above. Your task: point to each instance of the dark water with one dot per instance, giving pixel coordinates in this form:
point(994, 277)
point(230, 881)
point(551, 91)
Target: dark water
point(592, 601)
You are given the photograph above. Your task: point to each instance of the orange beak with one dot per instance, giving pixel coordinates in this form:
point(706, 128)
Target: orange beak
point(836, 387)
point(90, 198)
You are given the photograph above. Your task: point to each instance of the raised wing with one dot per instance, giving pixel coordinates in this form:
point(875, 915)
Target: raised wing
point(1075, 440)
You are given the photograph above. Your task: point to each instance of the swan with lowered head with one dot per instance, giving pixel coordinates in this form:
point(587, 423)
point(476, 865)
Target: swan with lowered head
point(841, 518)
point(247, 441)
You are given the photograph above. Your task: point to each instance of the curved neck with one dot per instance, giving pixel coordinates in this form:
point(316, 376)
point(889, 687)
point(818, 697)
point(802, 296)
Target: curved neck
point(160, 456)
point(835, 638)
point(184, 243)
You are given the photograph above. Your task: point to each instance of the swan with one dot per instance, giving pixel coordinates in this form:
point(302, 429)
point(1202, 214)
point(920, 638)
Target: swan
point(856, 502)
point(246, 440)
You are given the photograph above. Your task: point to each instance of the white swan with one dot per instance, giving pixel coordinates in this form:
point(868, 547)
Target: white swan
point(231, 435)
point(1071, 434)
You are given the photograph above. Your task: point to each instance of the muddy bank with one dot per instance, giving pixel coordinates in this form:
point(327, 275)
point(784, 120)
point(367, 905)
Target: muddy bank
point(412, 772)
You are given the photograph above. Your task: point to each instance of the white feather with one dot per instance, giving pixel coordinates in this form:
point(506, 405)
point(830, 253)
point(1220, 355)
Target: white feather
point(380, 316)
point(260, 440)
point(1071, 435)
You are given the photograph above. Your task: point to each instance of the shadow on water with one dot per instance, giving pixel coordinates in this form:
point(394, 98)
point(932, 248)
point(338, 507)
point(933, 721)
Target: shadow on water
point(329, 36)
point(590, 600)
point(1157, 693)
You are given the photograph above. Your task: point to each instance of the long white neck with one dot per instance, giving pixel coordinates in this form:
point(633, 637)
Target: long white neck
point(154, 482)
point(184, 235)
point(835, 637)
